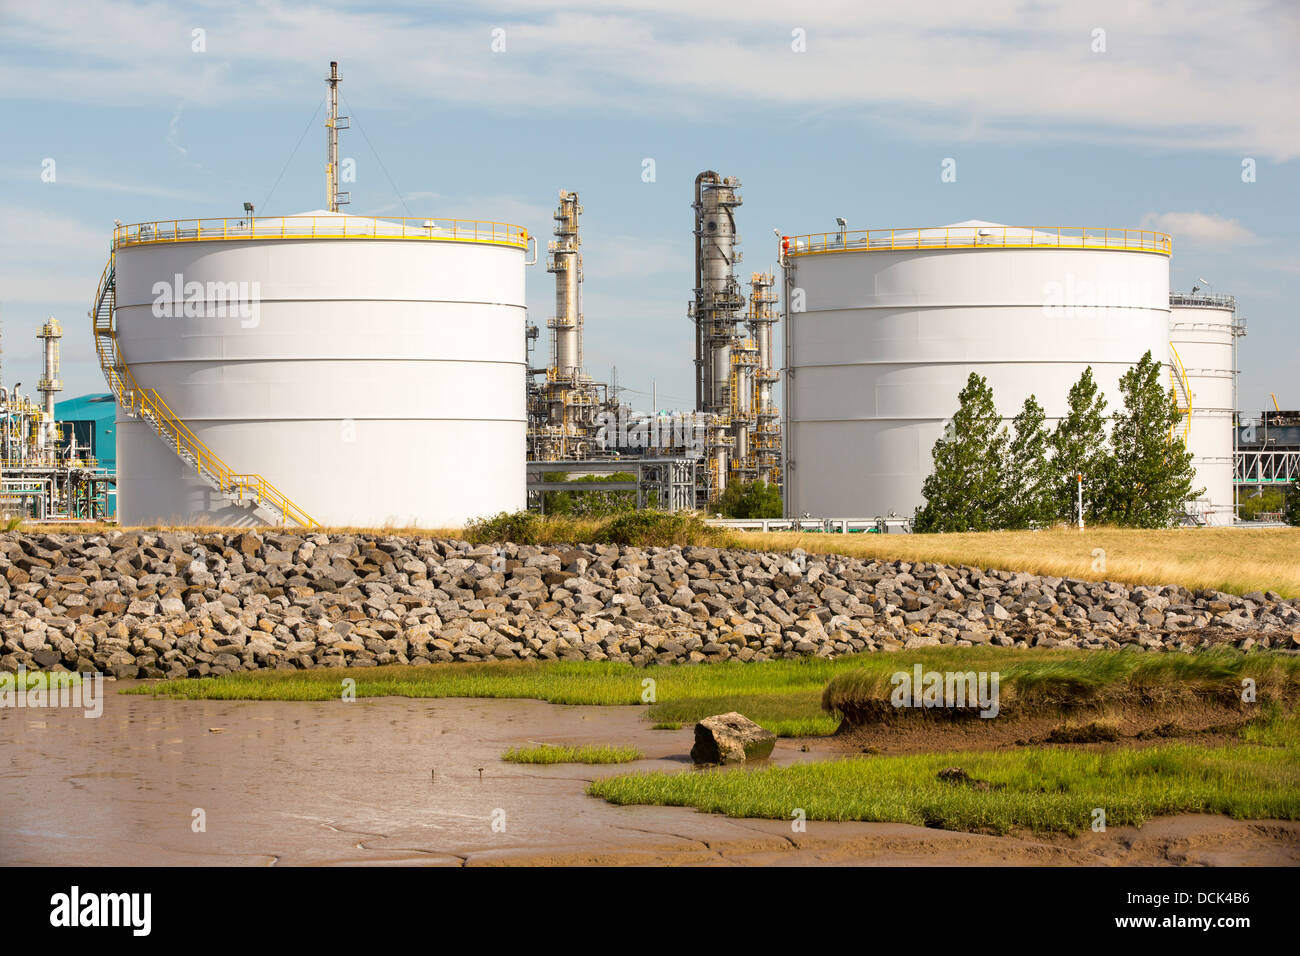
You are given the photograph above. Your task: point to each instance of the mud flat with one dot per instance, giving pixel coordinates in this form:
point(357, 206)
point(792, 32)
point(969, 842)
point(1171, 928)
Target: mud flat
point(397, 781)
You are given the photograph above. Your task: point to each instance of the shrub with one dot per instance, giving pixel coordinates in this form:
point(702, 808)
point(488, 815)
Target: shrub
point(657, 529)
point(1269, 499)
point(750, 499)
point(521, 527)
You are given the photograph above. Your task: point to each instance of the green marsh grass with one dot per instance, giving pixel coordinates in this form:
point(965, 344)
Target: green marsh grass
point(560, 753)
point(1041, 789)
point(784, 696)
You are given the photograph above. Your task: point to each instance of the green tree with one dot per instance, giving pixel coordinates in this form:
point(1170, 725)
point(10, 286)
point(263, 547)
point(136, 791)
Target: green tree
point(1150, 478)
point(964, 489)
point(1026, 498)
point(1291, 507)
point(749, 499)
point(1262, 500)
point(591, 504)
point(1079, 447)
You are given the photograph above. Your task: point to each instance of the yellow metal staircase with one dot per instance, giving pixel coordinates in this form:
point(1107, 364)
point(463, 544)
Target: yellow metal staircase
point(149, 406)
point(1182, 391)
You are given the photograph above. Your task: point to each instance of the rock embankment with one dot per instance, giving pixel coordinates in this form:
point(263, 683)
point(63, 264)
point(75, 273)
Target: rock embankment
point(177, 604)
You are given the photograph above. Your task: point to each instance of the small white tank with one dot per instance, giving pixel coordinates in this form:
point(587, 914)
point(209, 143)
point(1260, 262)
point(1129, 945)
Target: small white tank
point(372, 370)
point(1203, 330)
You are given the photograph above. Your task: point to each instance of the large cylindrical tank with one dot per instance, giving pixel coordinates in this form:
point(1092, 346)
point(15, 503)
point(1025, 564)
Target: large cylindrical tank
point(885, 326)
point(1203, 330)
point(372, 370)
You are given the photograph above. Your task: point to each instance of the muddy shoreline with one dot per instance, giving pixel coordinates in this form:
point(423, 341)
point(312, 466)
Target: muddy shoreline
point(395, 781)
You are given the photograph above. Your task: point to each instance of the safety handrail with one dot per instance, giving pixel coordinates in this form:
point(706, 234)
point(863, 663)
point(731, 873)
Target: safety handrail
point(147, 403)
point(978, 237)
point(1179, 374)
point(320, 227)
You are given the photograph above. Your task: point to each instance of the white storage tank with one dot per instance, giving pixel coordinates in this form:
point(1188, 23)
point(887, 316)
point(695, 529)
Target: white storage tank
point(885, 326)
point(1203, 329)
point(371, 369)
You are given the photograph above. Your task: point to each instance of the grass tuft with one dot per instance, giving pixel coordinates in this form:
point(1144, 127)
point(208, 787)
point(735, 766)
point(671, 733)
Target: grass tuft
point(559, 753)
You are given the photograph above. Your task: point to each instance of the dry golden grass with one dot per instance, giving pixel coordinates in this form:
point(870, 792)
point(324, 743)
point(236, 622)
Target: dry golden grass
point(1238, 560)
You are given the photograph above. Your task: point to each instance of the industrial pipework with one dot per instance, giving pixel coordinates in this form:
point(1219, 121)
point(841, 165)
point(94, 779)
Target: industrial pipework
point(563, 410)
point(334, 123)
point(44, 474)
point(715, 311)
point(767, 437)
point(734, 375)
point(50, 334)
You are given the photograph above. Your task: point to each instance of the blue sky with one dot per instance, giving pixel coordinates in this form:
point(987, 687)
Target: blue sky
point(1045, 130)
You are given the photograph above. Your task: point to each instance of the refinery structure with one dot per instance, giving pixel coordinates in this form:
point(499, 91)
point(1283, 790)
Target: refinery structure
point(734, 371)
point(327, 369)
point(564, 407)
point(46, 472)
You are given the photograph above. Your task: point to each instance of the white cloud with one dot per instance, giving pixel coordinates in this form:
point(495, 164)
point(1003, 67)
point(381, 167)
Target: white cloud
point(1195, 75)
point(26, 277)
point(1199, 229)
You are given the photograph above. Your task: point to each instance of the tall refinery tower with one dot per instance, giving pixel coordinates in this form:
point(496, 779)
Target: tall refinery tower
point(563, 411)
point(733, 374)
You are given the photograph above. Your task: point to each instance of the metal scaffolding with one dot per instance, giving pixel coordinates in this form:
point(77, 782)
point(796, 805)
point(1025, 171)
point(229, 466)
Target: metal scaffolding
point(666, 483)
point(44, 474)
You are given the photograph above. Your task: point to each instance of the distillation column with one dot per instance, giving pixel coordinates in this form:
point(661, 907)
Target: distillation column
point(716, 309)
point(50, 383)
point(566, 265)
point(762, 316)
point(563, 411)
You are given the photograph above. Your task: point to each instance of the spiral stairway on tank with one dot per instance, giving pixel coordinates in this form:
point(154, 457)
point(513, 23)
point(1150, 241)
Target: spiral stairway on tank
point(148, 405)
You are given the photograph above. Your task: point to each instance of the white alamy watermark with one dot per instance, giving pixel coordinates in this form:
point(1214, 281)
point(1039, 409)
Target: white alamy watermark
point(1078, 298)
point(75, 908)
point(179, 299)
point(38, 689)
point(628, 429)
point(948, 689)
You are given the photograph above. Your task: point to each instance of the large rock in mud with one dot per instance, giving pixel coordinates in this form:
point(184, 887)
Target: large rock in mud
point(731, 738)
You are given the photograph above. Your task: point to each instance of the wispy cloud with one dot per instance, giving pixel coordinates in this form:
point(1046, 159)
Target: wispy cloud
point(1200, 229)
point(988, 71)
point(74, 177)
point(174, 130)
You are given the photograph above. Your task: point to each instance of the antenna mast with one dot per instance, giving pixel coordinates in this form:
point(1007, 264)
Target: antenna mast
point(334, 123)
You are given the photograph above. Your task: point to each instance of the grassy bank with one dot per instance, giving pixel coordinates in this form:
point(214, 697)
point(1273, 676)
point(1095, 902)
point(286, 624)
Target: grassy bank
point(1118, 678)
point(783, 696)
point(1237, 560)
point(786, 697)
point(1045, 790)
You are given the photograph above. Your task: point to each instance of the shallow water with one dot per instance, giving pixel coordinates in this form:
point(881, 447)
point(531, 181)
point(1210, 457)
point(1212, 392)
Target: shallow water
point(397, 780)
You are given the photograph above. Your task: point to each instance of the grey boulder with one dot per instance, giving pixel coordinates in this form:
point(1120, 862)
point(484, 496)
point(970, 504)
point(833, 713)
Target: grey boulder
point(731, 738)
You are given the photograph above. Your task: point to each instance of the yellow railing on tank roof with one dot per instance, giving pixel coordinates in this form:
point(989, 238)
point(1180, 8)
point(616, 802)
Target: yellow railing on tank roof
point(978, 237)
point(319, 227)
